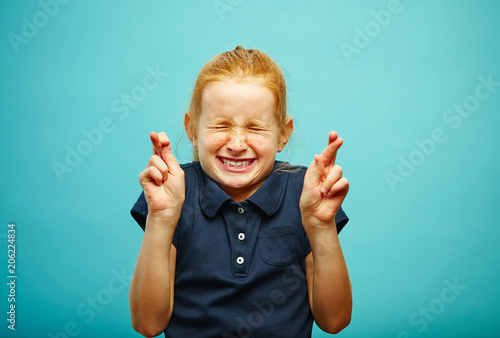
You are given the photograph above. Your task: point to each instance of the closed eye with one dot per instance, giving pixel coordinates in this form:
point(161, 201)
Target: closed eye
point(219, 127)
point(257, 127)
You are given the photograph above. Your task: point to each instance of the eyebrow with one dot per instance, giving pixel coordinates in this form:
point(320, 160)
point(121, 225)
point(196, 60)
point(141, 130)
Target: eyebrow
point(227, 121)
point(220, 121)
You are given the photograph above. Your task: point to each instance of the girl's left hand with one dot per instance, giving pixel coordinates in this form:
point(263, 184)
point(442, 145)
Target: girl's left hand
point(324, 187)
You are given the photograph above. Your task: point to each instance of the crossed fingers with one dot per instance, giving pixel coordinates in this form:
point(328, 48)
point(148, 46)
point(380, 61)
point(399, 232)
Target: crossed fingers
point(330, 173)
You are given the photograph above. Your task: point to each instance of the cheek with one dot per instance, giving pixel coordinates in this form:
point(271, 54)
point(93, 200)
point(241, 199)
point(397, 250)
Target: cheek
point(216, 141)
point(262, 144)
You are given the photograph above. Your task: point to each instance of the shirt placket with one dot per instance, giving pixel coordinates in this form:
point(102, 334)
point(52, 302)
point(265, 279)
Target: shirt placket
point(236, 216)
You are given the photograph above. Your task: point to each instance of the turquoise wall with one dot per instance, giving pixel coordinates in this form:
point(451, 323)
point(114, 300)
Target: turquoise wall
point(412, 86)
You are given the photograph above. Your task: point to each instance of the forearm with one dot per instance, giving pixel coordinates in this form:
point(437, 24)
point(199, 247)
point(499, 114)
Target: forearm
point(151, 297)
point(331, 299)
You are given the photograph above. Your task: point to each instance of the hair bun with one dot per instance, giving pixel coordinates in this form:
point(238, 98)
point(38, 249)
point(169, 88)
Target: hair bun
point(240, 48)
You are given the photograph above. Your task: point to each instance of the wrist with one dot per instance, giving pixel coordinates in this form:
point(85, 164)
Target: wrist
point(316, 228)
point(311, 221)
point(164, 218)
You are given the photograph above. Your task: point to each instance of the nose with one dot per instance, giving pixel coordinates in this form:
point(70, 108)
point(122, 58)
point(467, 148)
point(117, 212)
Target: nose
point(237, 142)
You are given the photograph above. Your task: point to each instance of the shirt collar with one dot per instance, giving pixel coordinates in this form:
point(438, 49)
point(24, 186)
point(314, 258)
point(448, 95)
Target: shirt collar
point(268, 197)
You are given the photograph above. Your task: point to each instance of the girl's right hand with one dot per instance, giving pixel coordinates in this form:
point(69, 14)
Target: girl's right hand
point(163, 179)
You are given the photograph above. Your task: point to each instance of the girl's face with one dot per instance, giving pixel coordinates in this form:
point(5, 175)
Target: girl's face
point(238, 136)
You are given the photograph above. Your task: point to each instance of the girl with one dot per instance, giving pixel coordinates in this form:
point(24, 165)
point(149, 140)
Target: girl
point(237, 244)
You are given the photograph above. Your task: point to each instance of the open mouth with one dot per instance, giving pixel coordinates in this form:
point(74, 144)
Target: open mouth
point(236, 163)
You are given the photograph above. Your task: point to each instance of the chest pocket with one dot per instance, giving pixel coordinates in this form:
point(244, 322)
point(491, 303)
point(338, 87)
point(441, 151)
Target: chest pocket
point(277, 245)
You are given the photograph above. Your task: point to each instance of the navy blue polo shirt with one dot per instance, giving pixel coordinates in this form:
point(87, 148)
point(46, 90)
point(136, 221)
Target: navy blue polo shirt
point(240, 268)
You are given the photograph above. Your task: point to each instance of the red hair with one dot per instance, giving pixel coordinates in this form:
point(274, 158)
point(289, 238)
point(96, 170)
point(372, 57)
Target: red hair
point(243, 65)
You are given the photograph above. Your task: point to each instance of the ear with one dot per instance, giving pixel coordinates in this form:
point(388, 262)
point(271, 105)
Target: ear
point(188, 126)
point(285, 134)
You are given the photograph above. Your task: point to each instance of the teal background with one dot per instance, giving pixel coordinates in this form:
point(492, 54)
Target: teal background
point(402, 245)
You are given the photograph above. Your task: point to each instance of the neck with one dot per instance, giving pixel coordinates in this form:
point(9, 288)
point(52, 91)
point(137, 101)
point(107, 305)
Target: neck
point(241, 194)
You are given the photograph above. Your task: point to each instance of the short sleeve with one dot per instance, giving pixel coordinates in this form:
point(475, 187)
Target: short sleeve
point(140, 211)
point(341, 220)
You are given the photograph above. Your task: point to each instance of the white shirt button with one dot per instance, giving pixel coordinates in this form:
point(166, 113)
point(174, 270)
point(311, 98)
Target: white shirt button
point(240, 260)
point(241, 210)
point(241, 236)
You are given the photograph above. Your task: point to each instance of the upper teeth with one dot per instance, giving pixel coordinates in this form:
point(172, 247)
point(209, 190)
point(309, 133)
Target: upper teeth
point(236, 163)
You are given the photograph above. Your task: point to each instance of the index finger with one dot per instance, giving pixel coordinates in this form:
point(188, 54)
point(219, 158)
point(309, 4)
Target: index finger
point(155, 140)
point(159, 141)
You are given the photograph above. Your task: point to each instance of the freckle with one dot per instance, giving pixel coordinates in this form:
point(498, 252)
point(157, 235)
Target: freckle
point(214, 140)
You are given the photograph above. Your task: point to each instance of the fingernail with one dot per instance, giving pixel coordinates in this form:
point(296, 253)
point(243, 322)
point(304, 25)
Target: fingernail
point(322, 190)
